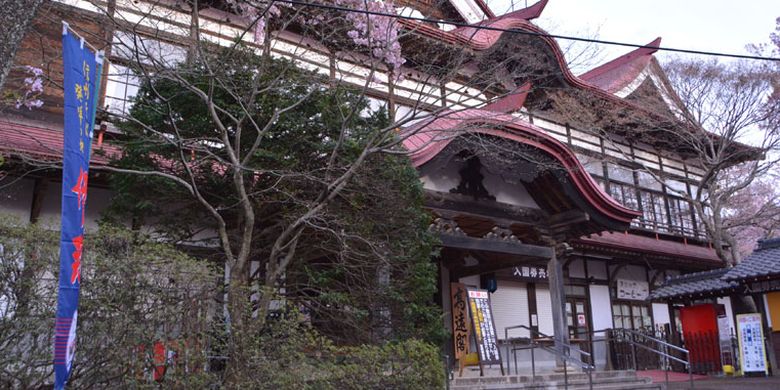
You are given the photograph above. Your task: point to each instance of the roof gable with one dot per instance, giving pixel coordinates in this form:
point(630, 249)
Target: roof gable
point(615, 75)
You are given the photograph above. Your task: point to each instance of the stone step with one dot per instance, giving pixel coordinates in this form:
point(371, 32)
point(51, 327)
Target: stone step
point(547, 377)
point(576, 385)
point(604, 380)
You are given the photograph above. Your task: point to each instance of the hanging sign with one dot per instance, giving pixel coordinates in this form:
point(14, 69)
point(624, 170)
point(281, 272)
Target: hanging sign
point(484, 328)
point(460, 319)
point(82, 69)
point(751, 343)
point(632, 289)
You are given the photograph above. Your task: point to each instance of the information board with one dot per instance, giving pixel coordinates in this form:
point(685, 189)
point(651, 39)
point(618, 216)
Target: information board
point(484, 327)
point(751, 343)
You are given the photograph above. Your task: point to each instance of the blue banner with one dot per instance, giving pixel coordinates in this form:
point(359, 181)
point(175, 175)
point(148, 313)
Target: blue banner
point(82, 69)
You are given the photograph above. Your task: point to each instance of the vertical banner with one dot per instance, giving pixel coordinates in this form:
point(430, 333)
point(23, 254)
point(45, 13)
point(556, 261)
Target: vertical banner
point(460, 319)
point(751, 344)
point(82, 69)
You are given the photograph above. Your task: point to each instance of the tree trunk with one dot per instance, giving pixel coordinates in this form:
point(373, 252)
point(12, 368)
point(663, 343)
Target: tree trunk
point(15, 17)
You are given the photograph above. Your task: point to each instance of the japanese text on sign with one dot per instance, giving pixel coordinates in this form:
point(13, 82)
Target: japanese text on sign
point(484, 328)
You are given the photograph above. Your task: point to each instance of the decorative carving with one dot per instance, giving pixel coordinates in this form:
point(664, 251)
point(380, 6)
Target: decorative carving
point(446, 226)
point(499, 233)
point(471, 179)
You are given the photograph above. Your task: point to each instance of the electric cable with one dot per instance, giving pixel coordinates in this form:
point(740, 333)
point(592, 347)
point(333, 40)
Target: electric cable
point(531, 33)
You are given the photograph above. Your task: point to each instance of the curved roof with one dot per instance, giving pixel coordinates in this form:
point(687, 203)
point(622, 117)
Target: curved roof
point(480, 38)
point(428, 138)
point(615, 75)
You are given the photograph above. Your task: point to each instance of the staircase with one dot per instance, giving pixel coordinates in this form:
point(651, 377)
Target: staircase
point(602, 380)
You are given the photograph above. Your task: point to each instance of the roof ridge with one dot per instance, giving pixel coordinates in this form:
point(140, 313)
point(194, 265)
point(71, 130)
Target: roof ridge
point(768, 243)
point(697, 276)
point(528, 13)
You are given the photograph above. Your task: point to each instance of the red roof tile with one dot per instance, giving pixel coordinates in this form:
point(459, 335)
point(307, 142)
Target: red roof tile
point(43, 143)
point(636, 243)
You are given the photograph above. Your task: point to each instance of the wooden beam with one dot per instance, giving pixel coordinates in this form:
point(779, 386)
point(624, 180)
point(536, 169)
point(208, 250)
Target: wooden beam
point(447, 202)
point(481, 244)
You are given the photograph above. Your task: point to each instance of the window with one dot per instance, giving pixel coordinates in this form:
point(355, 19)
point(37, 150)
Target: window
point(681, 215)
point(631, 316)
point(146, 50)
point(121, 88)
point(654, 211)
point(621, 174)
point(625, 194)
point(646, 180)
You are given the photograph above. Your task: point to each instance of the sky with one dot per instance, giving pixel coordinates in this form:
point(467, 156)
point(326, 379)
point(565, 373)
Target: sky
point(714, 25)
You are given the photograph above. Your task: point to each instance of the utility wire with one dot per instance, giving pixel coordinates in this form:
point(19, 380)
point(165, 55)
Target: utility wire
point(521, 32)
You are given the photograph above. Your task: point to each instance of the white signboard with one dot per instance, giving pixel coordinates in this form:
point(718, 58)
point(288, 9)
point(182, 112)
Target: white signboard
point(751, 343)
point(632, 289)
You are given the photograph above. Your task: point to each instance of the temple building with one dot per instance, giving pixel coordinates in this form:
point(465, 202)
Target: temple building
point(558, 192)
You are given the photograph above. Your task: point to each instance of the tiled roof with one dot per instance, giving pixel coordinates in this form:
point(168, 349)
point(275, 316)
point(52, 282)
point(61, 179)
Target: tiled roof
point(764, 262)
point(615, 75)
point(697, 284)
point(665, 248)
point(42, 143)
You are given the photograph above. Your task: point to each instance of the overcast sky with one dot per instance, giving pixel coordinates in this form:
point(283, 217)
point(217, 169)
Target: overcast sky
point(707, 25)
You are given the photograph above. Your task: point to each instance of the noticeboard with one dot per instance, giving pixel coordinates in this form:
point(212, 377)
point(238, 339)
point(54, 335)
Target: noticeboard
point(484, 327)
point(751, 343)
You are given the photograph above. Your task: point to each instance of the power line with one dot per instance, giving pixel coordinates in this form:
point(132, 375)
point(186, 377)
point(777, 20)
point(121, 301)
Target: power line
point(521, 32)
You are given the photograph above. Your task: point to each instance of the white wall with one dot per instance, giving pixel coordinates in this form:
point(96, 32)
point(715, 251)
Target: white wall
point(730, 313)
point(601, 316)
point(510, 193)
point(544, 309)
point(601, 307)
point(440, 178)
point(631, 272)
point(443, 178)
point(660, 314)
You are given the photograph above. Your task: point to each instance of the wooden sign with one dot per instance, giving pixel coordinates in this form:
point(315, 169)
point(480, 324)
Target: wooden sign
point(751, 343)
point(484, 327)
point(460, 319)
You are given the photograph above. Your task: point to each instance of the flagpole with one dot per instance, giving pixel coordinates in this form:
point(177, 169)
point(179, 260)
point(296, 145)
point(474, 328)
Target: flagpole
point(66, 28)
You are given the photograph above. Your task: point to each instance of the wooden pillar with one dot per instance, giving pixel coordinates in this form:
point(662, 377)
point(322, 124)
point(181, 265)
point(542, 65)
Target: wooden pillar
point(558, 298)
point(39, 192)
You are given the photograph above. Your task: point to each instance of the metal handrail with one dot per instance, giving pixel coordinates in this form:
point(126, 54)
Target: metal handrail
point(533, 331)
point(566, 357)
point(658, 351)
point(657, 340)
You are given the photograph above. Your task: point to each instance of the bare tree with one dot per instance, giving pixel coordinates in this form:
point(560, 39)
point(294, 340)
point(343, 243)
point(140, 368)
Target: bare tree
point(734, 140)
